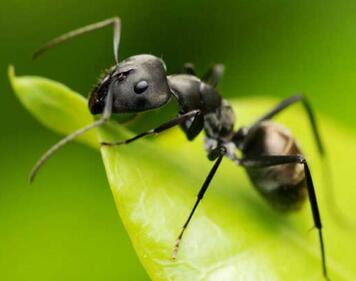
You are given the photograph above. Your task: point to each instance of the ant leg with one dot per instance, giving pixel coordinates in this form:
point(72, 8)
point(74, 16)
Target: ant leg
point(218, 154)
point(193, 129)
point(212, 77)
point(286, 103)
point(268, 161)
point(334, 209)
point(116, 22)
point(189, 68)
point(165, 126)
point(214, 74)
point(105, 117)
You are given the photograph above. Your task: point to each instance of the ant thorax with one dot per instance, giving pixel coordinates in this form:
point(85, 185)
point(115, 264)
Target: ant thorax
point(219, 124)
point(218, 127)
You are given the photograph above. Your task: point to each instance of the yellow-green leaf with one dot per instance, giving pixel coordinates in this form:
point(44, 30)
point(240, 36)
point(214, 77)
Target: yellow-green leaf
point(234, 235)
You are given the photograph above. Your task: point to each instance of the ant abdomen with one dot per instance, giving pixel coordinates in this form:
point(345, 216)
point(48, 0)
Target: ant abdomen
point(283, 186)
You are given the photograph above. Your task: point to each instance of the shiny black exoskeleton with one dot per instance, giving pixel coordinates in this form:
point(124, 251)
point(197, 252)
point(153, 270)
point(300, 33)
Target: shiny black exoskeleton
point(270, 155)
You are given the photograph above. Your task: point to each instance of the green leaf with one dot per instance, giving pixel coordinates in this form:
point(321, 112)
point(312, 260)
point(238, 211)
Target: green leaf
point(234, 235)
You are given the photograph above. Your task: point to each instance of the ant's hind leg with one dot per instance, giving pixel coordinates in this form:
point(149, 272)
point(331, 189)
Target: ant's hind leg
point(268, 161)
point(285, 104)
point(334, 208)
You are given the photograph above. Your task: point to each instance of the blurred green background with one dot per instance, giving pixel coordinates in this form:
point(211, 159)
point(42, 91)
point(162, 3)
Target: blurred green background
point(66, 227)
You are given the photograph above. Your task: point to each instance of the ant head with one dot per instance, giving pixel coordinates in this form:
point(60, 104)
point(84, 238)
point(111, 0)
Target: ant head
point(139, 83)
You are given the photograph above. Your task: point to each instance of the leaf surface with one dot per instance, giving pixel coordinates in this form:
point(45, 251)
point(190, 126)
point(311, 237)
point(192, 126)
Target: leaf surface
point(234, 235)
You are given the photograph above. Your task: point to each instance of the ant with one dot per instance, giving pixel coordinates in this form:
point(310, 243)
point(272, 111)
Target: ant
point(271, 156)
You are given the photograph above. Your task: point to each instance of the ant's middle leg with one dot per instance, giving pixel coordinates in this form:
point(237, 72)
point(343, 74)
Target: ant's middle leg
point(217, 154)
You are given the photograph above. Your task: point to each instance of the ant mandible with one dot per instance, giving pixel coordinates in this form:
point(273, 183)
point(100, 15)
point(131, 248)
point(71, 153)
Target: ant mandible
point(271, 156)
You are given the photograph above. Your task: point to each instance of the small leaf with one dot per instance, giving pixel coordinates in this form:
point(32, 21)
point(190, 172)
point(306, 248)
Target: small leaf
point(234, 235)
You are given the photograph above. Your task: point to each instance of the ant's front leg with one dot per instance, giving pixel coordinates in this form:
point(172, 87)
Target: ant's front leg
point(165, 126)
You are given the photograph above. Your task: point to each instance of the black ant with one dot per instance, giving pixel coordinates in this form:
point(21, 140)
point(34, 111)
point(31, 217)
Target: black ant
point(271, 156)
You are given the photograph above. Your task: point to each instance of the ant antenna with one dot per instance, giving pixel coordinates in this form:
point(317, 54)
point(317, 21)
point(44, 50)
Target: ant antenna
point(105, 117)
point(116, 22)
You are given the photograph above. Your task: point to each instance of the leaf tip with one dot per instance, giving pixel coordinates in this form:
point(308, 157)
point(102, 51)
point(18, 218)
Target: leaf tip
point(11, 72)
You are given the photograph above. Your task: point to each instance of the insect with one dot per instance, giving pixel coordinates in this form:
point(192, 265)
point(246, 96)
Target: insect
point(270, 154)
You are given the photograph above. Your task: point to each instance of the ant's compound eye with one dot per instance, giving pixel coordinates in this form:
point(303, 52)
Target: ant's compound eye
point(141, 86)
